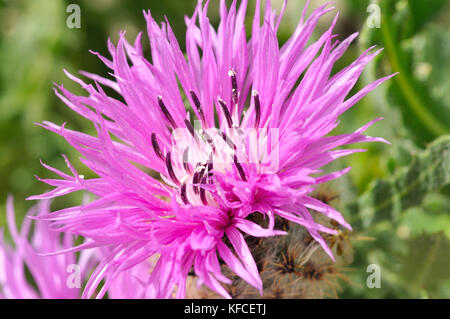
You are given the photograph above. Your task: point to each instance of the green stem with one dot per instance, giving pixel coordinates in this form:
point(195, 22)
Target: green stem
point(415, 102)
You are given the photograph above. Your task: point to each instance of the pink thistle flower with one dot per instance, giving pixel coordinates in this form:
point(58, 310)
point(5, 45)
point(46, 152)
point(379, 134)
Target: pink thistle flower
point(51, 274)
point(264, 156)
point(56, 276)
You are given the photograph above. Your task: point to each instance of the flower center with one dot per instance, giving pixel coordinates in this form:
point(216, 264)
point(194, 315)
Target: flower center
point(197, 152)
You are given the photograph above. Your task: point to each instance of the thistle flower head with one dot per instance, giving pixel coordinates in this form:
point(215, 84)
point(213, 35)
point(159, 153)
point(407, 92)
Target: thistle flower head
point(230, 130)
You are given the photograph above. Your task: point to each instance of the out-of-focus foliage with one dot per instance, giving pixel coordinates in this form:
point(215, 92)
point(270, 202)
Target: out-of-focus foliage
point(417, 47)
point(405, 206)
point(397, 195)
point(386, 200)
point(408, 215)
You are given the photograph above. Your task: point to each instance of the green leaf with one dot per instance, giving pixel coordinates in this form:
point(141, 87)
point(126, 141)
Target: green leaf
point(386, 199)
point(426, 267)
point(417, 221)
point(424, 11)
point(431, 63)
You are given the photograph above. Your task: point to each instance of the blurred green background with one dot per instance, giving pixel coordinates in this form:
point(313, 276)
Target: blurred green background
point(397, 194)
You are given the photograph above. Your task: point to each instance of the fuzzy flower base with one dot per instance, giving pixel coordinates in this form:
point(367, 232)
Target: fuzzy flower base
point(291, 266)
point(234, 134)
